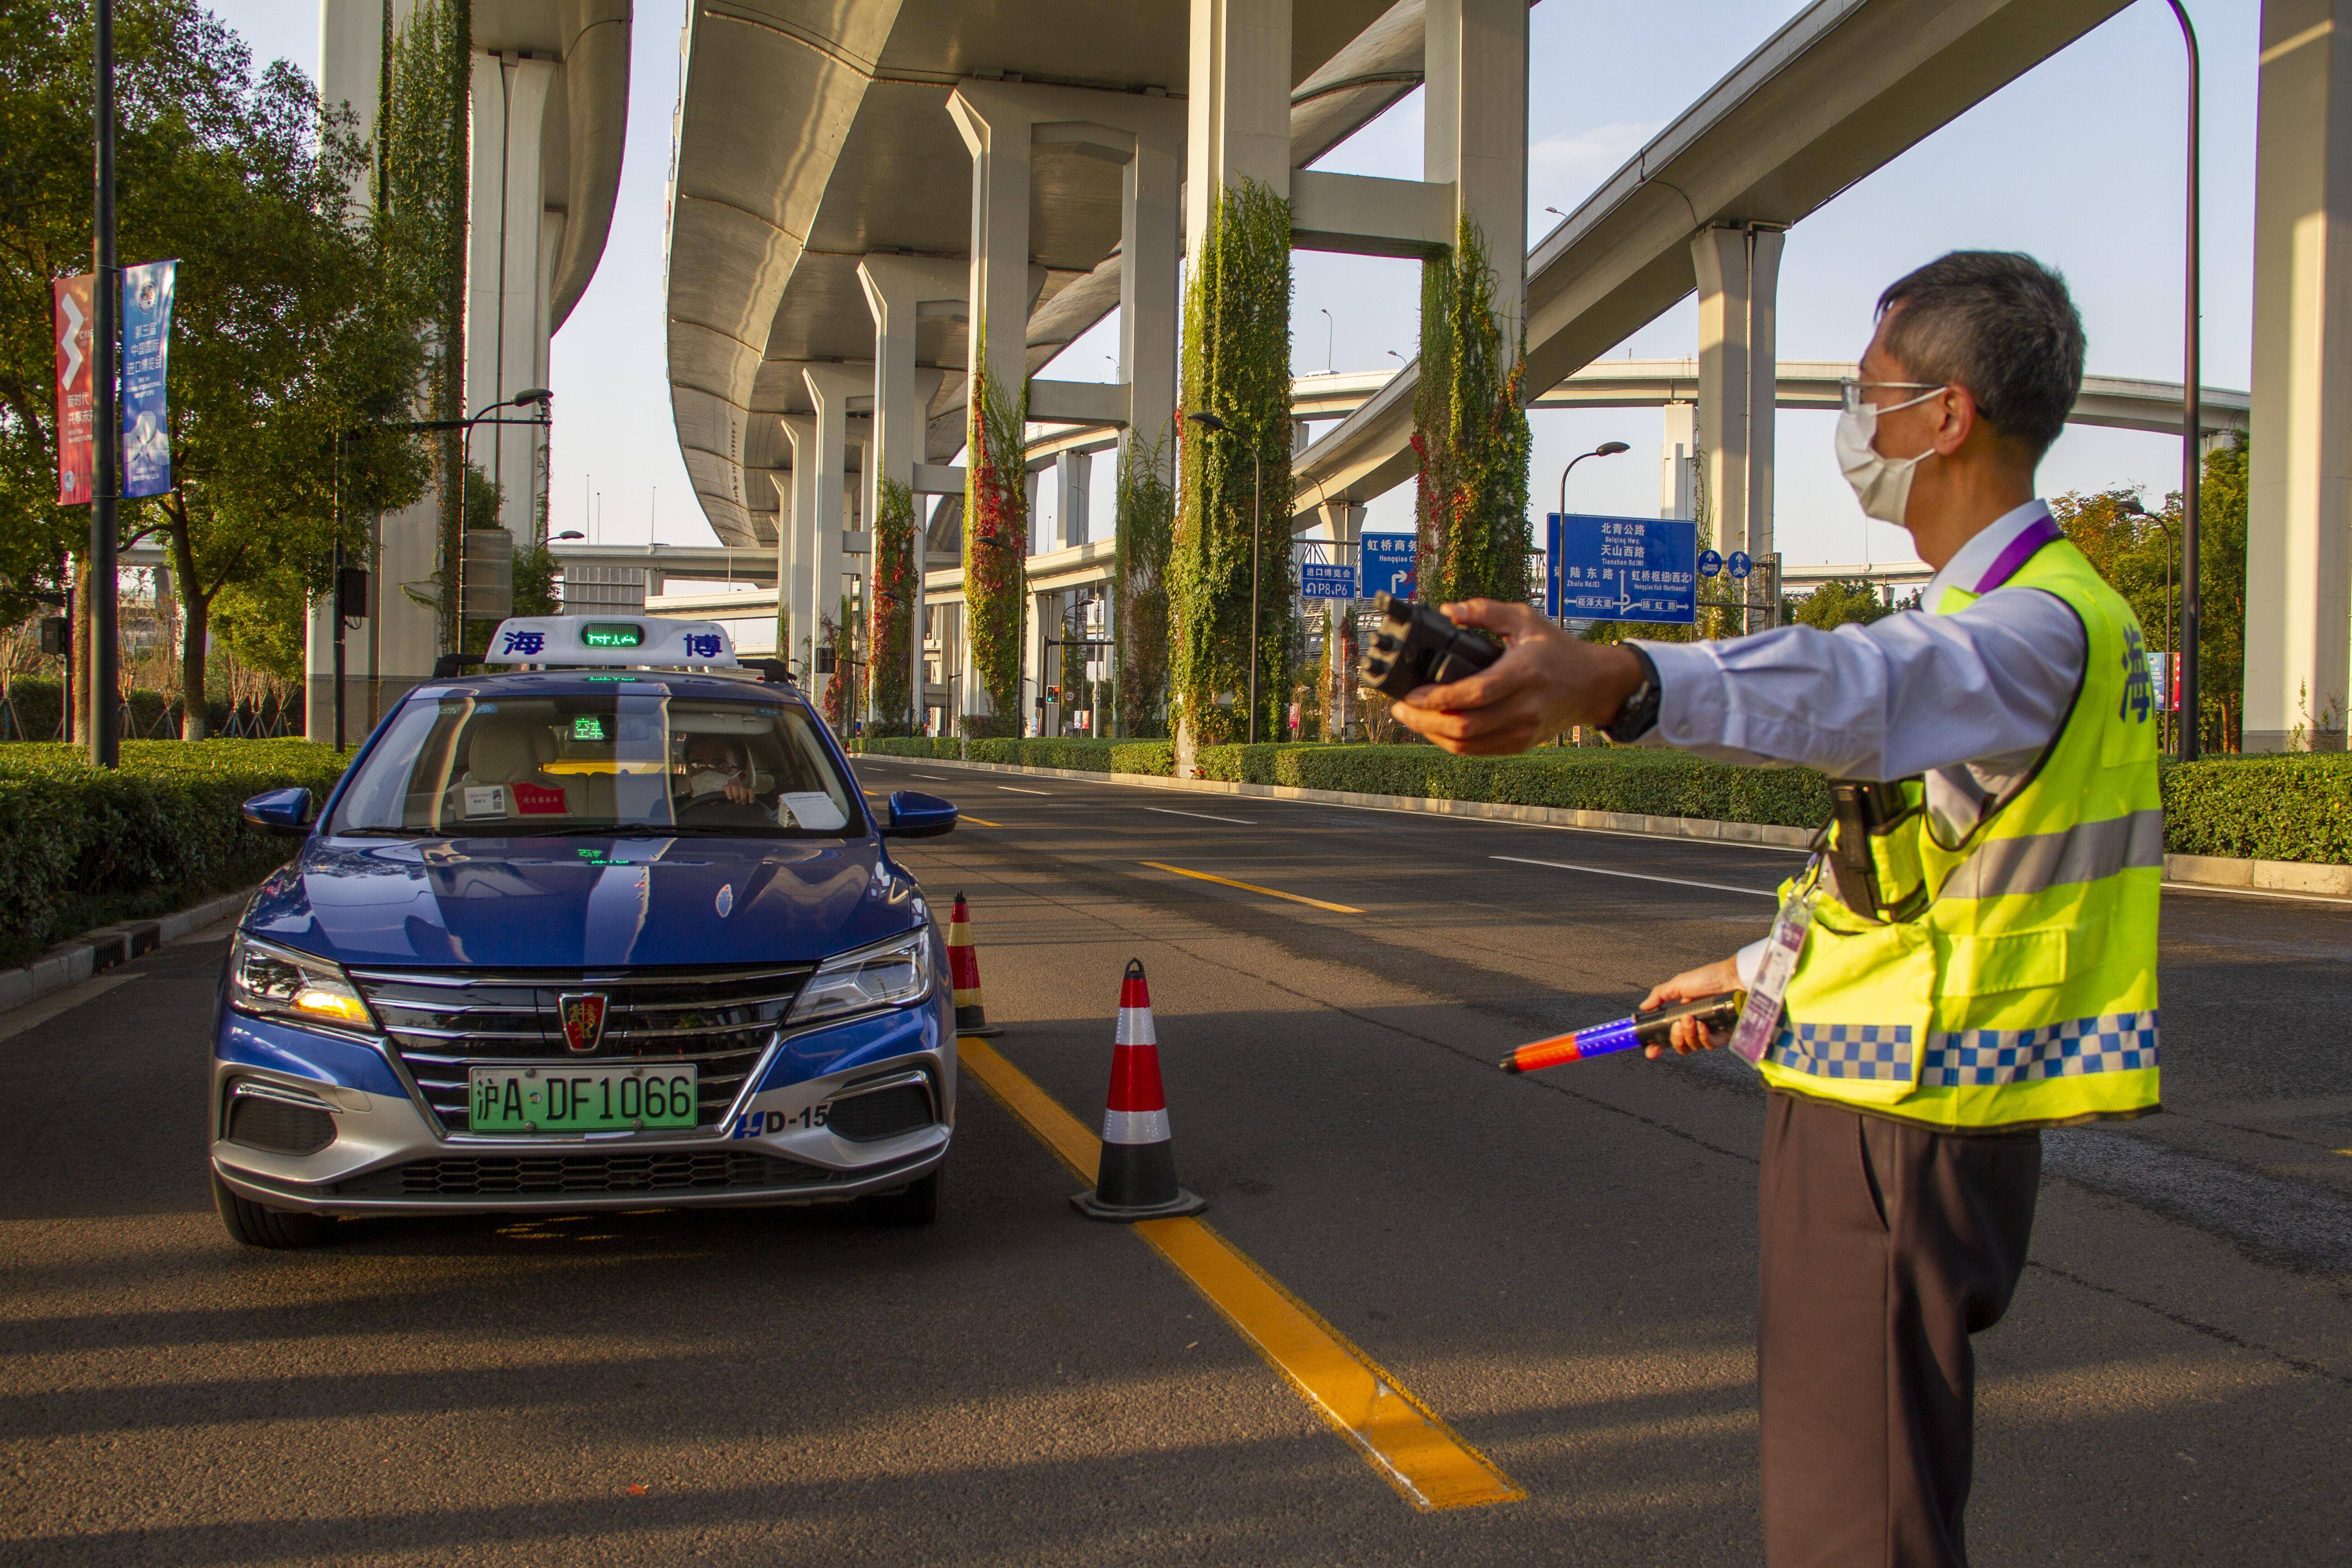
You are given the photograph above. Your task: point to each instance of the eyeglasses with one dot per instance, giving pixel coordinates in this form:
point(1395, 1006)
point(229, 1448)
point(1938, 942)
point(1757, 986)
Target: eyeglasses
point(1851, 390)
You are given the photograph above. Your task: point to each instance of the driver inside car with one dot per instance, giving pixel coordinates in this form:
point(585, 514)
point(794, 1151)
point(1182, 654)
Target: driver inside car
point(718, 786)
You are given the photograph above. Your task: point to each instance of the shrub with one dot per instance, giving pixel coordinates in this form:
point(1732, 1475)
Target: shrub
point(84, 846)
point(2296, 806)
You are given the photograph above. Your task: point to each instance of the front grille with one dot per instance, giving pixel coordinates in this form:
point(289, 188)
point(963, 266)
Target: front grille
point(278, 1127)
point(442, 1023)
point(885, 1113)
point(585, 1175)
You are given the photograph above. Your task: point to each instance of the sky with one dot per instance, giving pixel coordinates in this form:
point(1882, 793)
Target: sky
point(2079, 163)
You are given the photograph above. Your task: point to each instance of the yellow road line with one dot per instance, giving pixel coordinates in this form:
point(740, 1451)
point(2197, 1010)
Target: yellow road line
point(977, 821)
point(1410, 1445)
point(1253, 888)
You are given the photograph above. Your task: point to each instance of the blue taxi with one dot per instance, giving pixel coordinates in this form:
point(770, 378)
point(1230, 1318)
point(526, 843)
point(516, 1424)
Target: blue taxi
point(600, 921)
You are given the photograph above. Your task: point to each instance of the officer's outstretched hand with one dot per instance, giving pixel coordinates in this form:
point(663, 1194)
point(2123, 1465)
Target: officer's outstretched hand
point(1545, 681)
point(1708, 980)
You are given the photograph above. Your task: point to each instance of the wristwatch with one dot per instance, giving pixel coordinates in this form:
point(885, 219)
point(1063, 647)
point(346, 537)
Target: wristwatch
point(1639, 714)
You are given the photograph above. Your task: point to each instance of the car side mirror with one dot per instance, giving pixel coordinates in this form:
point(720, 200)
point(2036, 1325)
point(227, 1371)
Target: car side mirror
point(284, 811)
point(914, 815)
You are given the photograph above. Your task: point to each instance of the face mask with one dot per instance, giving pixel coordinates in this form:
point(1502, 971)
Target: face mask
point(707, 781)
point(1883, 485)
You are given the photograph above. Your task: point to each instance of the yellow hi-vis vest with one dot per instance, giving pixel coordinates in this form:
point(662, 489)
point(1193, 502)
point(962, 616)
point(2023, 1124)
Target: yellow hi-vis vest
point(2013, 984)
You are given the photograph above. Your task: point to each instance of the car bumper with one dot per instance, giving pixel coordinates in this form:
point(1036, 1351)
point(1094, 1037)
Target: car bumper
point(388, 1156)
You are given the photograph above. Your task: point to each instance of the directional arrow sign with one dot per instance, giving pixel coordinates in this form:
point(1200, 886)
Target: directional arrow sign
point(1621, 568)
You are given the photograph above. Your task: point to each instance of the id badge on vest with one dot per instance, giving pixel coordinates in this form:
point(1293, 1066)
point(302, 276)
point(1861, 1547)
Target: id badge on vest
point(1759, 1021)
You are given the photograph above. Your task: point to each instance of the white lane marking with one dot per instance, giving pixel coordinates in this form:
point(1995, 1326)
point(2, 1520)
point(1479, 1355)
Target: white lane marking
point(1017, 789)
point(1204, 816)
point(1545, 826)
point(935, 778)
point(1641, 876)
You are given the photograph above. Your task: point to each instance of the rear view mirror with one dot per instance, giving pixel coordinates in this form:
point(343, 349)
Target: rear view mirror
point(286, 812)
point(914, 815)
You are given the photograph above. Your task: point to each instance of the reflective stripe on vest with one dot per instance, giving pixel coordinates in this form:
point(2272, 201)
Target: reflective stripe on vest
point(2040, 861)
point(2023, 994)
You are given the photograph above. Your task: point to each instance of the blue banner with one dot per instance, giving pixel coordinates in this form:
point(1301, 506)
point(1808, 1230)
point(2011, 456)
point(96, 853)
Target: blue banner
point(1388, 564)
point(1621, 569)
point(146, 348)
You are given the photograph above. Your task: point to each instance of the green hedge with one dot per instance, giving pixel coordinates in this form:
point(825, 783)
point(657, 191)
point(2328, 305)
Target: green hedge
point(2292, 807)
point(1652, 784)
point(85, 847)
point(1157, 758)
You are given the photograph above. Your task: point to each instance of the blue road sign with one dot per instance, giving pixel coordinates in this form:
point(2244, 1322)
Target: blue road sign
point(1324, 580)
point(1741, 565)
point(1387, 559)
point(1621, 569)
point(1710, 564)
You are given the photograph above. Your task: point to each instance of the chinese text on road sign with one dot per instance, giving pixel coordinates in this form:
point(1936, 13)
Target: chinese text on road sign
point(1323, 580)
point(1621, 569)
point(1388, 566)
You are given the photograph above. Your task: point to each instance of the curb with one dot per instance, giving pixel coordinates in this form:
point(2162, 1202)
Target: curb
point(2280, 878)
point(71, 961)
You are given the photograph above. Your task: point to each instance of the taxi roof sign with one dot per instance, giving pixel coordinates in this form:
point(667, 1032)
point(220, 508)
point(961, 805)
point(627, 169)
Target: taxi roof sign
point(617, 640)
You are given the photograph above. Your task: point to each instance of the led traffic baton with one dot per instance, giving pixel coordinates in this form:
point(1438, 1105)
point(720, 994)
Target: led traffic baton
point(1719, 1011)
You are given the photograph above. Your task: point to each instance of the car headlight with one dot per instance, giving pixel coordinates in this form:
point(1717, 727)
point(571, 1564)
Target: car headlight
point(266, 978)
point(887, 975)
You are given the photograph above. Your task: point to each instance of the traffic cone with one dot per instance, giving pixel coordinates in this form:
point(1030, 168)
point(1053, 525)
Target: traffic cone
point(963, 974)
point(1138, 1176)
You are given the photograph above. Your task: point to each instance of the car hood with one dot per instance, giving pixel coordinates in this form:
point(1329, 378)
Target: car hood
point(583, 903)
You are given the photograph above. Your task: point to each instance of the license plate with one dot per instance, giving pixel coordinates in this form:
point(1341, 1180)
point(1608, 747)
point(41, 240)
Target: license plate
point(584, 1099)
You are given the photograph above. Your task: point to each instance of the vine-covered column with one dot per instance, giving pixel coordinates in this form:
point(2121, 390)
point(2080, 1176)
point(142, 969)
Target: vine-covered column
point(1147, 522)
point(995, 545)
point(1236, 367)
point(1470, 434)
point(890, 613)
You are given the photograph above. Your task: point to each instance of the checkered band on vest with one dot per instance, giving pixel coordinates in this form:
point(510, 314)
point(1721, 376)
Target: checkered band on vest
point(2113, 1042)
point(1880, 1051)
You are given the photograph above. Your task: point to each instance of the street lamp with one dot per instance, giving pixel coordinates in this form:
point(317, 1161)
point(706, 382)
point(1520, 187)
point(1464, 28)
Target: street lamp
point(1606, 450)
point(571, 534)
point(529, 396)
point(1330, 335)
point(1257, 531)
point(2191, 432)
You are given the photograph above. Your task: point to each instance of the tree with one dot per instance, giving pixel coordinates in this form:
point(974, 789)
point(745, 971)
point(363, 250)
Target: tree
point(1838, 603)
point(294, 319)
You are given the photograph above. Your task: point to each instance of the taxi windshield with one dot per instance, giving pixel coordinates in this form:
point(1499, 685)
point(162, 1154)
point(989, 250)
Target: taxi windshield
point(630, 760)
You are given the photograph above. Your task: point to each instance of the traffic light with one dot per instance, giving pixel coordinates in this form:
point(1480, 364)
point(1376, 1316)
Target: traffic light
point(57, 636)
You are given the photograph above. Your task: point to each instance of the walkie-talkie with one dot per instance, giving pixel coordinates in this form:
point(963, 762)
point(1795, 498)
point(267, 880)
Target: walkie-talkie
point(1415, 647)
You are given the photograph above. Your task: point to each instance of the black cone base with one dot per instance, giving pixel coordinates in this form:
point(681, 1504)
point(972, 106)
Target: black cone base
point(973, 1021)
point(1138, 1180)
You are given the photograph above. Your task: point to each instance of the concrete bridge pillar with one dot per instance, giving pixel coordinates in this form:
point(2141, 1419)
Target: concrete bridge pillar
point(1679, 462)
point(830, 387)
point(1343, 528)
point(2299, 487)
point(1738, 364)
point(506, 326)
point(1237, 110)
point(896, 289)
point(1475, 133)
point(787, 519)
point(796, 535)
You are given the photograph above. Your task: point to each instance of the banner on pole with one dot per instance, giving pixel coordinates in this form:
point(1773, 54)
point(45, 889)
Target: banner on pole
point(69, 314)
point(146, 348)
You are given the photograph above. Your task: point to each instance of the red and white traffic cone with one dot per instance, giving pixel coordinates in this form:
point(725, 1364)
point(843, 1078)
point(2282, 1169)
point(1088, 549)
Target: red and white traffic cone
point(1138, 1176)
point(963, 974)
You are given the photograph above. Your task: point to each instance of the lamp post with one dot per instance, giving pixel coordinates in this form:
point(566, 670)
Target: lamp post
point(1606, 450)
point(106, 421)
point(528, 397)
point(1330, 337)
point(2191, 431)
point(1258, 533)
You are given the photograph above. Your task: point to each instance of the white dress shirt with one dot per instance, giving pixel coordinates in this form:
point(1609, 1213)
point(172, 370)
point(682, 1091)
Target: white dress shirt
point(1969, 699)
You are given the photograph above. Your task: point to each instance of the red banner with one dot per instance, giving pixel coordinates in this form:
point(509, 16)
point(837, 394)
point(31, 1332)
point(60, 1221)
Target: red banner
point(71, 321)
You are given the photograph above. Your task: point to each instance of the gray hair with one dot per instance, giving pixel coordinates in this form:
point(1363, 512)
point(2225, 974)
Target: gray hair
point(1998, 323)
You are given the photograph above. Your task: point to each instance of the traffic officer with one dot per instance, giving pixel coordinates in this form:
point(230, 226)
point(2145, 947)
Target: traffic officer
point(1970, 954)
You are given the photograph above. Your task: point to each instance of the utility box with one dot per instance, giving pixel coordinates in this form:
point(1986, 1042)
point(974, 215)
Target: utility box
point(352, 592)
point(488, 573)
point(57, 636)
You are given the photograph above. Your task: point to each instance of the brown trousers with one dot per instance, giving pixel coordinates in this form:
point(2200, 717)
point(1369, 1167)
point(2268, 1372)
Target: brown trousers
point(1884, 1247)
